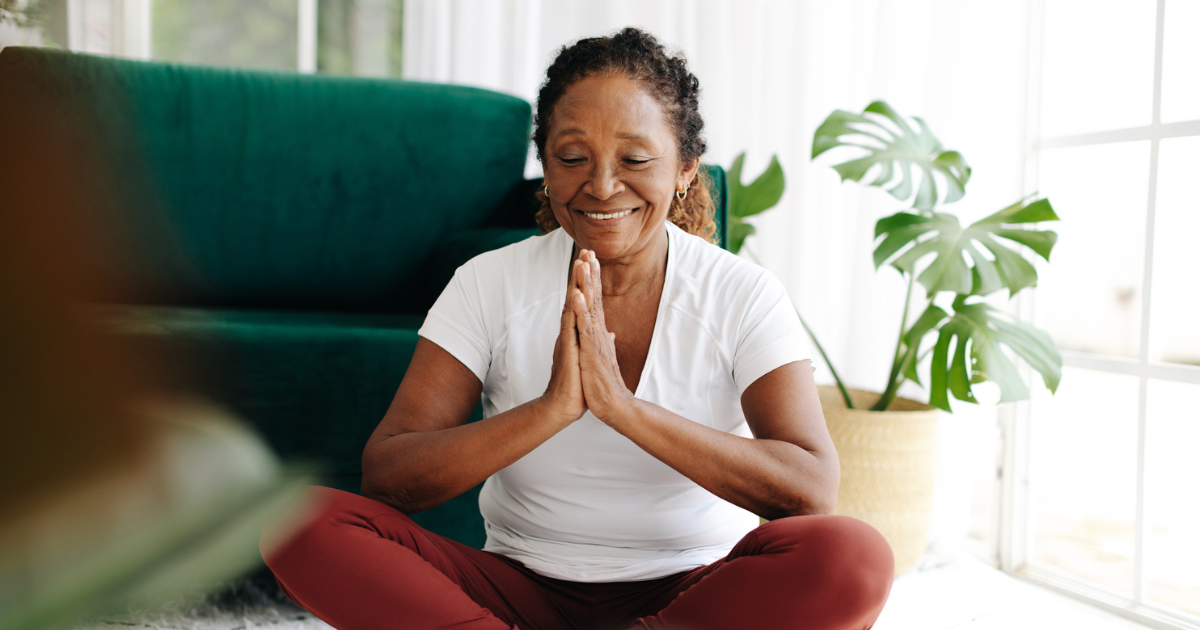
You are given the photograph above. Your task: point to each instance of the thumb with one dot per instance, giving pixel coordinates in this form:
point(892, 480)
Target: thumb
point(569, 329)
point(612, 336)
point(568, 313)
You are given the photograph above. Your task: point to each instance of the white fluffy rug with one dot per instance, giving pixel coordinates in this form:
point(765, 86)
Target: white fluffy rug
point(251, 604)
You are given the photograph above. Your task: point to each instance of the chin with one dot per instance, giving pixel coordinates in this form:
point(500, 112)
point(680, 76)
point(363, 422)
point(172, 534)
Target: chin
point(607, 246)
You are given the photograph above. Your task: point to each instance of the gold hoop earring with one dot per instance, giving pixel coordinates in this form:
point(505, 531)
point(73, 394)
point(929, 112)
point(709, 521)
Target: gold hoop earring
point(546, 188)
point(681, 195)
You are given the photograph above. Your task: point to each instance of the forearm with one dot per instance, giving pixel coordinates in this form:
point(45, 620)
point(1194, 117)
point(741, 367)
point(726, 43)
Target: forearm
point(770, 478)
point(417, 470)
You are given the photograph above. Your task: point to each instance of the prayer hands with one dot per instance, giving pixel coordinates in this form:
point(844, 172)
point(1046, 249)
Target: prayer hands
point(585, 374)
point(604, 389)
point(564, 393)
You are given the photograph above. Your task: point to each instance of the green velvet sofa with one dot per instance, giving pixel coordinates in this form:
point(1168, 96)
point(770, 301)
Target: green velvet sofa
point(276, 239)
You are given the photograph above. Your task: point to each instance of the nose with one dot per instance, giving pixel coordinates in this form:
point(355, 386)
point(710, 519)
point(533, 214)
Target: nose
point(603, 183)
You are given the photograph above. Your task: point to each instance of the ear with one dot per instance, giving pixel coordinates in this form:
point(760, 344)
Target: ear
point(688, 173)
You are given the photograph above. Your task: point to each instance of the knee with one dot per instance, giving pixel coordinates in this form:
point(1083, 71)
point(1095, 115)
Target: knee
point(844, 553)
point(306, 527)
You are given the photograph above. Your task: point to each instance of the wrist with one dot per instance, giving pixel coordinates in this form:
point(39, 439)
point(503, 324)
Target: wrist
point(546, 408)
point(619, 411)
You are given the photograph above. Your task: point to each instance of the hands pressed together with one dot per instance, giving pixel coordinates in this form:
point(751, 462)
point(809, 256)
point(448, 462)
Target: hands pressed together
point(585, 375)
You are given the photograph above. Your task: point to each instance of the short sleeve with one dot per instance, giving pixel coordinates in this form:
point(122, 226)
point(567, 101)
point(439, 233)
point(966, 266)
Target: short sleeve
point(456, 321)
point(770, 335)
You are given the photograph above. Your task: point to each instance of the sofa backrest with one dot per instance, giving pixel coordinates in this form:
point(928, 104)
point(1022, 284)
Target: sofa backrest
point(236, 188)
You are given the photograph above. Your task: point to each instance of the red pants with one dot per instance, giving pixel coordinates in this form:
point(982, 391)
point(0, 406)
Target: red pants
point(360, 564)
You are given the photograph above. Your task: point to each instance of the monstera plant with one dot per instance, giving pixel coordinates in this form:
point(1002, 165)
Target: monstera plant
point(956, 266)
point(748, 200)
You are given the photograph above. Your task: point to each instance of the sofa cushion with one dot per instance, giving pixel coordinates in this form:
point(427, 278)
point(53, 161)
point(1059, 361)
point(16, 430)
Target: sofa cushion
point(315, 385)
point(237, 188)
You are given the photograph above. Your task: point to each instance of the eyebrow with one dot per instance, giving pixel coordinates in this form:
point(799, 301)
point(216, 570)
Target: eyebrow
point(574, 131)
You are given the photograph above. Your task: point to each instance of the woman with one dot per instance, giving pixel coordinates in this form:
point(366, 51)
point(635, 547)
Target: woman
point(647, 397)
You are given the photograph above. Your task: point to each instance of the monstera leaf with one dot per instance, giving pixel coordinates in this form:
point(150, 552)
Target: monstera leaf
point(977, 332)
point(909, 237)
point(738, 231)
point(747, 200)
point(895, 151)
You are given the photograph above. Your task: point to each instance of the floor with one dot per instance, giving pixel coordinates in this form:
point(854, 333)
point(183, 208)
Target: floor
point(961, 594)
point(966, 594)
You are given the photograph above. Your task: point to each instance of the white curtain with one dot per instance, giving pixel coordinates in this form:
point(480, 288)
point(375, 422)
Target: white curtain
point(770, 72)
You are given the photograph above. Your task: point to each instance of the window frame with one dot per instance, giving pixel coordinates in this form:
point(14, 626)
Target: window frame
point(1014, 529)
point(131, 34)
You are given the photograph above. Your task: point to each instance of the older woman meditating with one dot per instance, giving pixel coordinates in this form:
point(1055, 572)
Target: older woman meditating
point(647, 397)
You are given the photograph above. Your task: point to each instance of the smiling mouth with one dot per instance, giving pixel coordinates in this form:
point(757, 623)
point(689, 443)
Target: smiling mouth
point(603, 216)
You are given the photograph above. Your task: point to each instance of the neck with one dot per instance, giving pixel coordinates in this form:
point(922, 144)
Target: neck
point(636, 272)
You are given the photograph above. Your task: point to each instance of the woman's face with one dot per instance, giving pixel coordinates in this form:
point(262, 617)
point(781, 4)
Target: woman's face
point(612, 165)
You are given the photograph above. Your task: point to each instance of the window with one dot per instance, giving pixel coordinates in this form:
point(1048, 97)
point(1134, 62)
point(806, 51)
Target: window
point(356, 37)
point(1102, 478)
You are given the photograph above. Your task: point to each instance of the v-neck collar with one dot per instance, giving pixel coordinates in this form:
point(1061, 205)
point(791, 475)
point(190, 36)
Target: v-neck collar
point(567, 249)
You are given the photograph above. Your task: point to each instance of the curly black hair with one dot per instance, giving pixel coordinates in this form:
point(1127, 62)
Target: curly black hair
point(637, 55)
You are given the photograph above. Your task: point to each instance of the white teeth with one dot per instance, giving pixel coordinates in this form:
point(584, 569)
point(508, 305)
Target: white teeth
point(615, 215)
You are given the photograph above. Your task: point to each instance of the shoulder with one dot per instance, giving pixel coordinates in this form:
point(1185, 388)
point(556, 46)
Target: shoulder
point(713, 276)
point(523, 270)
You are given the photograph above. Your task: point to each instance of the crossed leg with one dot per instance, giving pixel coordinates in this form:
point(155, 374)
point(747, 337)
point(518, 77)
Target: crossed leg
point(811, 572)
point(360, 564)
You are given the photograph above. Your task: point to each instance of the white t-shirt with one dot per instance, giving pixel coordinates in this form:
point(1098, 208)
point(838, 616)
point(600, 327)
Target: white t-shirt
point(589, 505)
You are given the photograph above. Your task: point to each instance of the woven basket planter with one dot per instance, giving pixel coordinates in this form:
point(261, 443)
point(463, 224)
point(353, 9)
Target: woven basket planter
point(887, 460)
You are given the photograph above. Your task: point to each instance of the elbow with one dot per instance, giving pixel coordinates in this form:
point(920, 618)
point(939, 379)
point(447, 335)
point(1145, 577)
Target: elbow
point(819, 497)
point(378, 485)
point(810, 504)
point(822, 503)
point(390, 496)
point(824, 500)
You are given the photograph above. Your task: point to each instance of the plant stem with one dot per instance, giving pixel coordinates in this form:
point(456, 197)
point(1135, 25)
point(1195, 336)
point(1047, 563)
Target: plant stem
point(836, 379)
point(746, 248)
point(896, 376)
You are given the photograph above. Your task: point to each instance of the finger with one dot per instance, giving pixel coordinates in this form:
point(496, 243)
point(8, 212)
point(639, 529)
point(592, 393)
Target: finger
point(579, 309)
point(586, 325)
point(597, 288)
point(616, 365)
point(576, 277)
point(568, 324)
point(594, 264)
point(587, 285)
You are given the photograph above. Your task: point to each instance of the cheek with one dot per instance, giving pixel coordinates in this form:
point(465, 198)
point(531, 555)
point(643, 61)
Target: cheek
point(564, 183)
point(658, 189)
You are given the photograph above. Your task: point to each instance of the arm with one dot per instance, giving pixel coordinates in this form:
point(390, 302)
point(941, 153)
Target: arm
point(790, 468)
point(424, 453)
